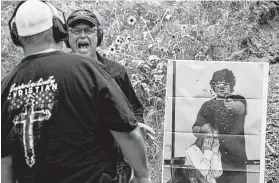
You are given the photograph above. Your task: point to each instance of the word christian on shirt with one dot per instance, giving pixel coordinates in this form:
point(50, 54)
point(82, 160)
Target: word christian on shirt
point(32, 103)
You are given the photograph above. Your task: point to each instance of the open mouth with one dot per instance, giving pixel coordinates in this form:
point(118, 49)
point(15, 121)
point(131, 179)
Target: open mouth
point(83, 46)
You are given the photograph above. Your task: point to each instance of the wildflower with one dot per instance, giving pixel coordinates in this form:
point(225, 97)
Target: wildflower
point(128, 39)
point(112, 49)
point(104, 54)
point(131, 20)
point(183, 27)
point(144, 85)
point(176, 49)
point(150, 46)
point(119, 40)
point(121, 50)
point(163, 49)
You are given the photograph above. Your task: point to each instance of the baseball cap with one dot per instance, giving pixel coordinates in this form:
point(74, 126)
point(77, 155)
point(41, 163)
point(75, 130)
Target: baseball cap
point(82, 14)
point(34, 17)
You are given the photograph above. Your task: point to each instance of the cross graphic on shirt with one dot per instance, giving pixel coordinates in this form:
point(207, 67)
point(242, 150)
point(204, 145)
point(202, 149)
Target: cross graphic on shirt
point(28, 117)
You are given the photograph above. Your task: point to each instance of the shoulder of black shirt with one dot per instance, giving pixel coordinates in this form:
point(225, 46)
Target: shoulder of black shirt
point(110, 63)
point(113, 67)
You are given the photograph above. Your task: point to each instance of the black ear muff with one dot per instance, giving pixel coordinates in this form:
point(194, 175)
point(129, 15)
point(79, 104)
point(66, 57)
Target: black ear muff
point(66, 41)
point(14, 35)
point(12, 26)
point(100, 36)
point(59, 30)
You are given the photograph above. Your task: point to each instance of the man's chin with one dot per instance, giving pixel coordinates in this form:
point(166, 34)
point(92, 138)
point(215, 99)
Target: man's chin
point(83, 52)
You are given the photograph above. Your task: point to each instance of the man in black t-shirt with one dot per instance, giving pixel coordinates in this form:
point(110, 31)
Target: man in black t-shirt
point(61, 112)
point(227, 112)
point(85, 35)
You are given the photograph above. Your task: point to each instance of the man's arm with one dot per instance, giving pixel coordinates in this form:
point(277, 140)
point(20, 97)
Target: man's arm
point(133, 148)
point(122, 124)
point(137, 107)
point(7, 175)
point(130, 93)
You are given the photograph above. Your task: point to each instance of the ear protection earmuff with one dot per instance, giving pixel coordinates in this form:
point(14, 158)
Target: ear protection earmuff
point(100, 32)
point(60, 31)
point(100, 35)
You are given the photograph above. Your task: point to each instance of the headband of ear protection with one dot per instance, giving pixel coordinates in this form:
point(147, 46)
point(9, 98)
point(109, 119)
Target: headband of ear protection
point(59, 27)
point(89, 16)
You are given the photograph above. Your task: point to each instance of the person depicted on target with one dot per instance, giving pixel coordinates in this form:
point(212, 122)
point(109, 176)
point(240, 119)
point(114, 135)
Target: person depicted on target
point(227, 112)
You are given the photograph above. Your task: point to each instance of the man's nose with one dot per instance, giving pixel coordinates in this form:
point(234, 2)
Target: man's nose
point(82, 34)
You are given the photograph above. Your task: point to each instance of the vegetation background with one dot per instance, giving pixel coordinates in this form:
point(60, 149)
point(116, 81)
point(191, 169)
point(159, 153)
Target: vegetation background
point(142, 35)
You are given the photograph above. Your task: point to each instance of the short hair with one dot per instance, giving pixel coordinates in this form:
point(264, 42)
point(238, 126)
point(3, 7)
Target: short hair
point(207, 128)
point(224, 75)
point(43, 37)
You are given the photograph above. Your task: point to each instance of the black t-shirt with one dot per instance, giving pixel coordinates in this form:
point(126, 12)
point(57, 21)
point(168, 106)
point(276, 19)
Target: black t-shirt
point(57, 110)
point(231, 129)
point(118, 72)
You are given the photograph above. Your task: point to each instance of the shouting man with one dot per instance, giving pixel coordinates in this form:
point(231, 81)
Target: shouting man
point(85, 35)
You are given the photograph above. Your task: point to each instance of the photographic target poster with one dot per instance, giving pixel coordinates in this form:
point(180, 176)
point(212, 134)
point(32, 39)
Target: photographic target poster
point(215, 121)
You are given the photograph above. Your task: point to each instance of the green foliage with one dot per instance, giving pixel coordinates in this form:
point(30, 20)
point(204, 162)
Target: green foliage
point(142, 35)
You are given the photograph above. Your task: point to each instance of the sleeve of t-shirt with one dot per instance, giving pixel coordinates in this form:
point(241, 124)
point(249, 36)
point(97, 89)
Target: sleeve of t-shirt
point(7, 130)
point(114, 110)
point(204, 115)
point(130, 93)
point(7, 140)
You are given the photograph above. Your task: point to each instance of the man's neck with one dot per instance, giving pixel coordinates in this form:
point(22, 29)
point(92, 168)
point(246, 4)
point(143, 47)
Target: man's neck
point(34, 50)
point(94, 55)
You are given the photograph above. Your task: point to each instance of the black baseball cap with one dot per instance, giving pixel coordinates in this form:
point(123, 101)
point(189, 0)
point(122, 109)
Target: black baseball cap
point(82, 15)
